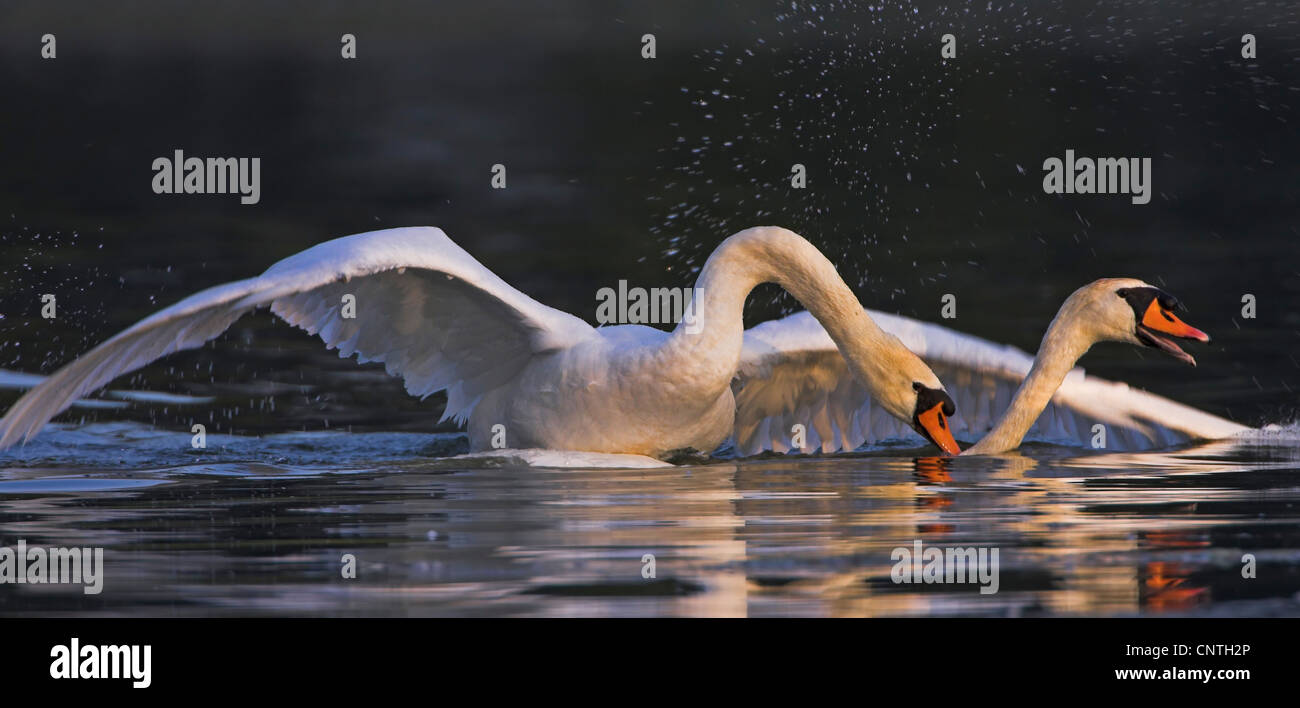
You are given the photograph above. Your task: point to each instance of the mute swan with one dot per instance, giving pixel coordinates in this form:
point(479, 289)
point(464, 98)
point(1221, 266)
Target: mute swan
point(442, 321)
point(789, 375)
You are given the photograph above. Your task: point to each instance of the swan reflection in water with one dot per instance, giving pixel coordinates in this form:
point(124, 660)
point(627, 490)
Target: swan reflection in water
point(1077, 533)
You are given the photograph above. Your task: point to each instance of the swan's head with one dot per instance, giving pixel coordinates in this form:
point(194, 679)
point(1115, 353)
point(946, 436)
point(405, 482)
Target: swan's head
point(909, 391)
point(1131, 311)
point(930, 417)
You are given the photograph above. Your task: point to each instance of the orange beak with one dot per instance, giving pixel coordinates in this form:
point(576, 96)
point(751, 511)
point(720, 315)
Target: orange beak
point(1161, 320)
point(933, 424)
point(1158, 320)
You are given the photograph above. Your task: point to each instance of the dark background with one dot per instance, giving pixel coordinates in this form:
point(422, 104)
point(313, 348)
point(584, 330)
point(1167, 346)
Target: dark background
point(924, 175)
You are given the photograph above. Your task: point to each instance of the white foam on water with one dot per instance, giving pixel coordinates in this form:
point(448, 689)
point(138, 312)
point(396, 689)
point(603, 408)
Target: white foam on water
point(1273, 432)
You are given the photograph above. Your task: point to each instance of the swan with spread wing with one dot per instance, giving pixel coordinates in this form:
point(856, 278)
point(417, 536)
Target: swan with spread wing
point(790, 373)
point(511, 366)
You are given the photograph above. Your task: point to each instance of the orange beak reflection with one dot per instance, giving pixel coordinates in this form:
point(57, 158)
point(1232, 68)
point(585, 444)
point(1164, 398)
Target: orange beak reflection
point(933, 424)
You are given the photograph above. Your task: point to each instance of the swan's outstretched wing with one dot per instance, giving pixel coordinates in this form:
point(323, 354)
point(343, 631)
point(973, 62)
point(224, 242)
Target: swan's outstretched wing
point(423, 306)
point(791, 373)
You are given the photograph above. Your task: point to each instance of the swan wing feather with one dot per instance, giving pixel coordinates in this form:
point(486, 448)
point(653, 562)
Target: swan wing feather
point(791, 372)
point(423, 306)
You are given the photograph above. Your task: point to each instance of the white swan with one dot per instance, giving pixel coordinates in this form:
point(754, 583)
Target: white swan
point(789, 375)
point(442, 321)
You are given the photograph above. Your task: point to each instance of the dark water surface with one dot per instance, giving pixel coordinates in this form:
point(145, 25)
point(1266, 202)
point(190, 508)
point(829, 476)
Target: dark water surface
point(262, 527)
point(925, 179)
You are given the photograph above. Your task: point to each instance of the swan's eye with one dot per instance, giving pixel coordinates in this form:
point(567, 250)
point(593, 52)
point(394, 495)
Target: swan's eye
point(1122, 292)
point(916, 386)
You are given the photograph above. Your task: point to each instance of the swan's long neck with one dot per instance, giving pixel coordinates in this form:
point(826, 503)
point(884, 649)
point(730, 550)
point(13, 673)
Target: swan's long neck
point(1062, 345)
point(707, 352)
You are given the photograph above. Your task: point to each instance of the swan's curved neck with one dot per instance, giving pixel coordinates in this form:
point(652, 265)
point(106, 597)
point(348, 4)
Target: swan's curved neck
point(707, 351)
point(1062, 345)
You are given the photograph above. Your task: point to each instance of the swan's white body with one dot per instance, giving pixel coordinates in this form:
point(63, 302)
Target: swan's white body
point(524, 375)
point(439, 319)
